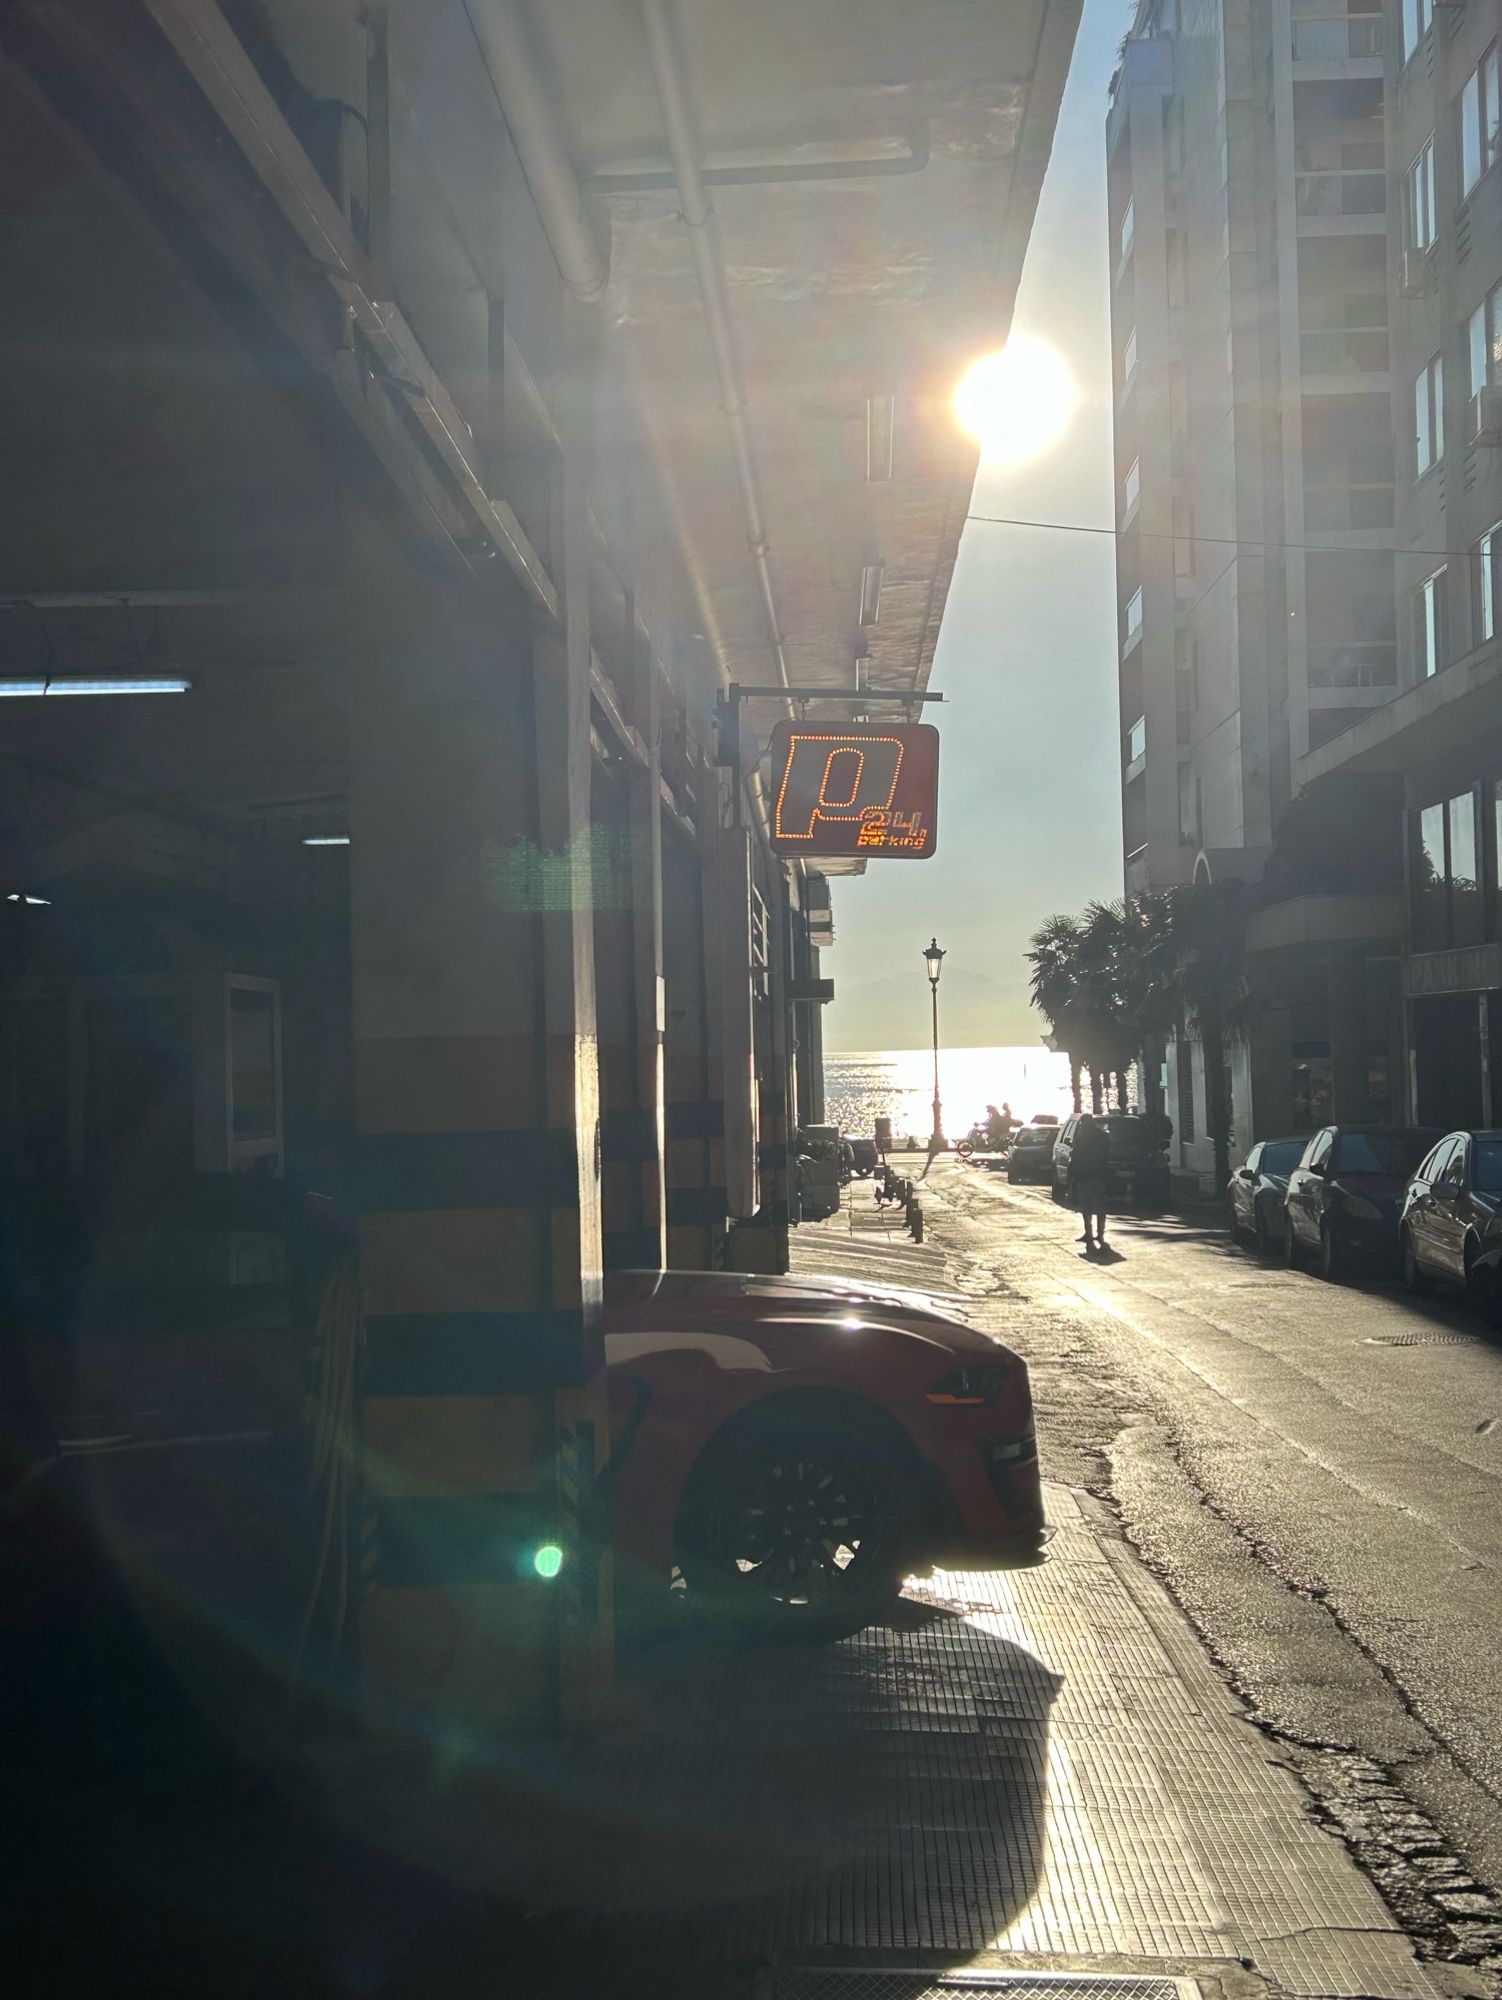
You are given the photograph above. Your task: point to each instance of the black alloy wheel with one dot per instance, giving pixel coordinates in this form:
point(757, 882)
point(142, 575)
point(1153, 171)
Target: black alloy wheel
point(1415, 1282)
point(797, 1526)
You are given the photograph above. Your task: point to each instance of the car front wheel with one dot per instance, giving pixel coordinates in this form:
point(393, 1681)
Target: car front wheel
point(797, 1526)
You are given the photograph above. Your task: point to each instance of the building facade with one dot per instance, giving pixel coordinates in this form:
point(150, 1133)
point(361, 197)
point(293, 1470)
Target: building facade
point(1294, 267)
point(423, 414)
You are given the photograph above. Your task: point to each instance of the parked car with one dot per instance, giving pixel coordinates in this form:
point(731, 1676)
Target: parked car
point(1345, 1195)
point(800, 1443)
point(791, 1448)
point(1257, 1192)
point(1138, 1158)
point(1031, 1154)
point(821, 1173)
point(1450, 1216)
point(864, 1157)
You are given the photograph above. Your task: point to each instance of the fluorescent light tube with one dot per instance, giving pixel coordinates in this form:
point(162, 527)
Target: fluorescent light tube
point(97, 684)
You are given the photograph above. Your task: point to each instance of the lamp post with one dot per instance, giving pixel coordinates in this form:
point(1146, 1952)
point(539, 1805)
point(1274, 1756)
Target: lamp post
point(934, 957)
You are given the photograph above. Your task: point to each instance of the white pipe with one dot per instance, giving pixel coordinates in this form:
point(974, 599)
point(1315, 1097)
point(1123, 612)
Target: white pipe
point(704, 236)
point(502, 34)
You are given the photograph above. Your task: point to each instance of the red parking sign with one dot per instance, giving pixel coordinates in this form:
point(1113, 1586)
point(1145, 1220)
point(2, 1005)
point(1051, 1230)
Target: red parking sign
point(857, 792)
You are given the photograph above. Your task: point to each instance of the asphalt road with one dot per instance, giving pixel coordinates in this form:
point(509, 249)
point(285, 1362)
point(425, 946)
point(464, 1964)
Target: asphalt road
point(1315, 1470)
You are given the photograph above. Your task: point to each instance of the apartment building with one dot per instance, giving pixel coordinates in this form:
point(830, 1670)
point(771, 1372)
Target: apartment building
point(1250, 215)
point(1438, 737)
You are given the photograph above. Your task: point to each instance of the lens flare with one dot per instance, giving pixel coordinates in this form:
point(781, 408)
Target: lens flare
point(1016, 403)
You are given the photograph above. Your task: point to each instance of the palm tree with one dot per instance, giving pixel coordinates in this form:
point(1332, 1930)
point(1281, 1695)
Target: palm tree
point(1054, 954)
point(1135, 936)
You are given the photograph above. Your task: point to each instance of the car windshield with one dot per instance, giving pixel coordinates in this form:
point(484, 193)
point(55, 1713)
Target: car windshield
point(1281, 1156)
point(1486, 1165)
point(1380, 1152)
point(1127, 1135)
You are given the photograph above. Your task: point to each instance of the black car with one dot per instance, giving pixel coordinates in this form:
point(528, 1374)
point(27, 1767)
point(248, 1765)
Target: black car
point(1031, 1155)
point(1137, 1158)
point(1345, 1195)
point(865, 1157)
point(1257, 1191)
point(1449, 1219)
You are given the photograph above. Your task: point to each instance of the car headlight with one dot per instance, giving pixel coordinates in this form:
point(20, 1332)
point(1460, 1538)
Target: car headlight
point(1363, 1210)
point(973, 1385)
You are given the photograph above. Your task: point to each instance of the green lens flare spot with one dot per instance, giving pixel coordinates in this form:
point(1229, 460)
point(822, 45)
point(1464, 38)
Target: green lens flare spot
point(548, 1560)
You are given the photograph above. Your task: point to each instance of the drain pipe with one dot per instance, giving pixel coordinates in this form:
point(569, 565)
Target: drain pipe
point(506, 45)
point(704, 236)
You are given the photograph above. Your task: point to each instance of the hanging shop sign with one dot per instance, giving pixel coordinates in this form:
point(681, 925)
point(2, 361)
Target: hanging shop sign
point(867, 793)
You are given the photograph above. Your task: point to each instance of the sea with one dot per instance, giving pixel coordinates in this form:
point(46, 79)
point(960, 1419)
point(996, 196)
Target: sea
point(899, 1083)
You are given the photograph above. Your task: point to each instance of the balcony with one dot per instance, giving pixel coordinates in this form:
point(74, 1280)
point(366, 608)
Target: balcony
point(1343, 350)
point(1363, 663)
point(1337, 37)
point(1340, 191)
point(1349, 508)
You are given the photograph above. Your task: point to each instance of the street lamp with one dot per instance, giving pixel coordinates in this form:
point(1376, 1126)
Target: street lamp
point(934, 957)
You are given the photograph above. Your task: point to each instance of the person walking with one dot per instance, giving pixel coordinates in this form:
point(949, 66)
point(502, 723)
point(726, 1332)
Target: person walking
point(1090, 1179)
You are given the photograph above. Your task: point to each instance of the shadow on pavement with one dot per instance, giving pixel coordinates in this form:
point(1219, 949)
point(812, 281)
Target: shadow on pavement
point(887, 1792)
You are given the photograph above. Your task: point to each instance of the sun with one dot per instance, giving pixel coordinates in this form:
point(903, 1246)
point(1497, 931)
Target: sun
point(1016, 403)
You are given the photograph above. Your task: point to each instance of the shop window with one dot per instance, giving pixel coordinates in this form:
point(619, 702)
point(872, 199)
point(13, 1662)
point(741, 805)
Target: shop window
point(1465, 875)
point(1448, 902)
point(1430, 925)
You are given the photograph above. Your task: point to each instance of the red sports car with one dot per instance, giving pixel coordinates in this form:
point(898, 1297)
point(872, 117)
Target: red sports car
point(792, 1447)
point(782, 1450)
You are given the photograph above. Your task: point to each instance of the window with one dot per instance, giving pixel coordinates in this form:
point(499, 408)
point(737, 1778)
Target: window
point(1488, 563)
point(1429, 639)
point(1129, 358)
point(1429, 415)
point(1422, 217)
point(1321, 1149)
point(1131, 486)
point(1430, 929)
point(1128, 227)
point(1455, 1166)
point(1134, 615)
point(1389, 1153)
point(1480, 121)
point(1465, 876)
point(1184, 1076)
point(1484, 341)
point(1486, 1172)
point(1417, 14)
point(1433, 1164)
point(1447, 888)
point(1137, 739)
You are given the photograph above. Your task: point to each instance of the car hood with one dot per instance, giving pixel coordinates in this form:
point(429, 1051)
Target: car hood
point(780, 1317)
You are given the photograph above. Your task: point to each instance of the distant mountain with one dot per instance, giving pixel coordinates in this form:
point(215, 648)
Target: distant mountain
point(893, 1013)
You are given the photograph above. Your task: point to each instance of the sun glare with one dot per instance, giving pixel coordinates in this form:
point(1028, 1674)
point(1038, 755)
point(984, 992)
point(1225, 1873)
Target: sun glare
point(1015, 403)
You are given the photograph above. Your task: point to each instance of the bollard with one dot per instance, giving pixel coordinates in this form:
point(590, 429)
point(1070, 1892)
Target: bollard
point(915, 1218)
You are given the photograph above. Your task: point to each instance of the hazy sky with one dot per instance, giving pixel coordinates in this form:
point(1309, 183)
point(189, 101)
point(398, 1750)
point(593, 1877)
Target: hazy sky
point(1029, 803)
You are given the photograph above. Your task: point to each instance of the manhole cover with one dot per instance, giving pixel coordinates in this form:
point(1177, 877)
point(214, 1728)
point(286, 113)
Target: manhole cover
point(822, 1982)
point(1422, 1340)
